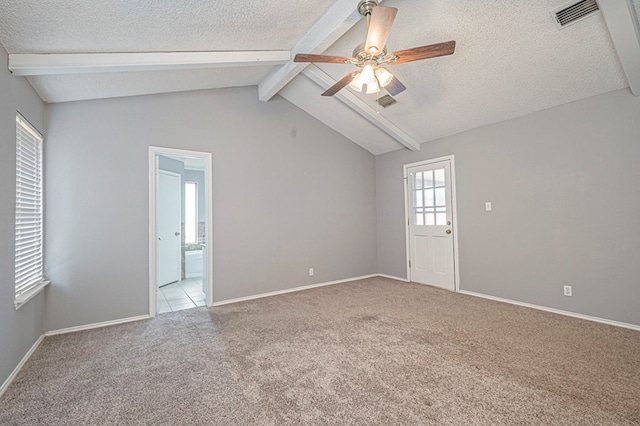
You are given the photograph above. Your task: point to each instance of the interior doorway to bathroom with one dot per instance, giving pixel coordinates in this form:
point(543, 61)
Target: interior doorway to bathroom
point(180, 265)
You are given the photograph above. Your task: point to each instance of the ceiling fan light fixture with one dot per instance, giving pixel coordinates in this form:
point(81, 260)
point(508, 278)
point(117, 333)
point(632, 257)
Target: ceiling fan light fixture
point(384, 76)
point(373, 87)
point(357, 83)
point(368, 74)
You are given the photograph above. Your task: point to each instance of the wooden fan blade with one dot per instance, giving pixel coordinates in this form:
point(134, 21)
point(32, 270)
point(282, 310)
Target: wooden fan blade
point(379, 28)
point(341, 84)
point(395, 87)
point(423, 52)
point(308, 57)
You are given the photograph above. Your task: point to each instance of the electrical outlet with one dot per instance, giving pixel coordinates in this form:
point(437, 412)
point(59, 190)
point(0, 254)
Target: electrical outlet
point(567, 290)
point(487, 206)
point(310, 272)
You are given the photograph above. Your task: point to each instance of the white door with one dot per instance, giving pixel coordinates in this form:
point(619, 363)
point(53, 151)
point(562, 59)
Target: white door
point(168, 213)
point(430, 225)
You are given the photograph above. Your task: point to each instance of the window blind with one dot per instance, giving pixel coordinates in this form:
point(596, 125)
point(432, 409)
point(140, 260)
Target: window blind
point(29, 259)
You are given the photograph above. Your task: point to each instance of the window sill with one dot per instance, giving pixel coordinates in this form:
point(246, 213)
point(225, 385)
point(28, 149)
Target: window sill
point(25, 297)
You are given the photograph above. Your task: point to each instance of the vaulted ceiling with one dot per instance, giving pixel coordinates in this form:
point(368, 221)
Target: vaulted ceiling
point(511, 58)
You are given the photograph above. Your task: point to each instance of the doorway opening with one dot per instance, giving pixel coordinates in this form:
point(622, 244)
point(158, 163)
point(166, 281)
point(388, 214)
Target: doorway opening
point(431, 223)
point(180, 238)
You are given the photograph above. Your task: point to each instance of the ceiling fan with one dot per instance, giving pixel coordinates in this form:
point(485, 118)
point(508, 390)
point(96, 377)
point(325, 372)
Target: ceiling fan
point(370, 55)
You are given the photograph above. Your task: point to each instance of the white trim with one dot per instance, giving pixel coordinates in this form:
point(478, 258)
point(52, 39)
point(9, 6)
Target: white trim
point(454, 212)
point(291, 290)
point(75, 63)
point(208, 226)
point(30, 294)
point(96, 325)
point(553, 310)
point(391, 277)
point(153, 279)
point(22, 362)
point(154, 151)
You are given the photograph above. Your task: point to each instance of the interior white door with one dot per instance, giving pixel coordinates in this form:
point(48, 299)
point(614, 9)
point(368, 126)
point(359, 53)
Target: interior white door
point(430, 225)
point(168, 212)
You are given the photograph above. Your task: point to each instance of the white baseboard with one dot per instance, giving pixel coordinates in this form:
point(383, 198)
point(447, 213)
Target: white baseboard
point(96, 325)
point(391, 277)
point(553, 310)
point(22, 362)
point(290, 290)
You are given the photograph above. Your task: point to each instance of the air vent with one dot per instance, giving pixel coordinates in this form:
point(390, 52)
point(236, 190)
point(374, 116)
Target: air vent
point(386, 101)
point(574, 12)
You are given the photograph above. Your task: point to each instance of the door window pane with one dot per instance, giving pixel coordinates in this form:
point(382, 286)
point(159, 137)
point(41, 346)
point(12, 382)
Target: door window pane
point(429, 219)
point(418, 198)
point(428, 179)
point(439, 177)
point(440, 197)
point(428, 197)
point(418, 180)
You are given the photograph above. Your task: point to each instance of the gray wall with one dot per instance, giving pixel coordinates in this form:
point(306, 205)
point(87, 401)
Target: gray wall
point(18, 329)
point(289, 194)
point(564, 188)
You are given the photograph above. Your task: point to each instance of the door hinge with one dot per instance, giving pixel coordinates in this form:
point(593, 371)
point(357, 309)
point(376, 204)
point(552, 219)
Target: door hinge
point(409, 263)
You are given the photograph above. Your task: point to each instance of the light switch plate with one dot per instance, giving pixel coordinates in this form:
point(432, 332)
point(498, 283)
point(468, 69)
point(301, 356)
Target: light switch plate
point(487, 206)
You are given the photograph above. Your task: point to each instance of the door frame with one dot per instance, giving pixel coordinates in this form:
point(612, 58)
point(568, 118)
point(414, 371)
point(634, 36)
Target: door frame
point(454, 214)
point(180, 183)
point(154, 151)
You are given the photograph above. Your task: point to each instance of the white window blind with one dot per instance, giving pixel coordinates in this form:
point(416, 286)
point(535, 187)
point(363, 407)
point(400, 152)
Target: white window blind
point(29, 262)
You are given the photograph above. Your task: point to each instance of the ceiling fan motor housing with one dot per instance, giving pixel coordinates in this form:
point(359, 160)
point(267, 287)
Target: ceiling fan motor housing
point(366, 6)
point(362, 55)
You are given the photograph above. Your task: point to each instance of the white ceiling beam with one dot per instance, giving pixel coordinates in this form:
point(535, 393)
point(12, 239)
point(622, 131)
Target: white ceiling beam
point(358, 105)
point(330, 27)
point(623, 26)
point(76, 63)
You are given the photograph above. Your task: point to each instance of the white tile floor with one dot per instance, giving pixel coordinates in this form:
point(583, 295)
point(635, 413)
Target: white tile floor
point(181, 295)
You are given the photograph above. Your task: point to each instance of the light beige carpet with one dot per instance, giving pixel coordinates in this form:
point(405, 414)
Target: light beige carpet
point(375, 351)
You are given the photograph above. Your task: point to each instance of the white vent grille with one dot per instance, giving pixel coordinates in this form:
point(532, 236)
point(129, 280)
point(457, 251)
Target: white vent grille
point(386, 101)
point(574, 12)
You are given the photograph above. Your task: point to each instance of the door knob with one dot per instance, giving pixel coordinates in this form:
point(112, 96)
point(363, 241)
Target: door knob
point(177, 233)
point(448, 231)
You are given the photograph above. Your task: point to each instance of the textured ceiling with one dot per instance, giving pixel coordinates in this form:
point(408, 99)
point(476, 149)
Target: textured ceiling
point(510, 59)
point(48, 26)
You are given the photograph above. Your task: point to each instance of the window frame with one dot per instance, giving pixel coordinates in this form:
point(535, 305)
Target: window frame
point(29, 191)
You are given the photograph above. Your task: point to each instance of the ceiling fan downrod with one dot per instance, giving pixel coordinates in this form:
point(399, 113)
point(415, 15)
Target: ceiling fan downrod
point(365, 7)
